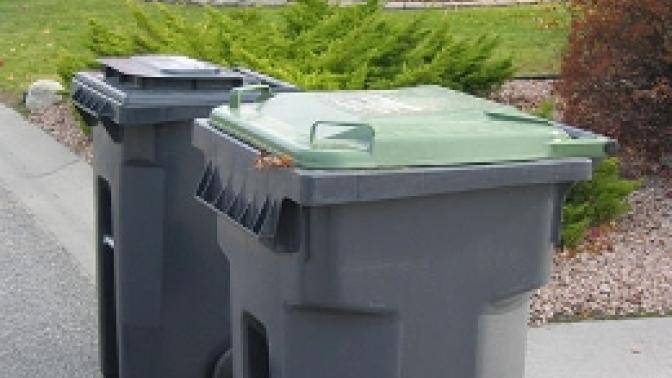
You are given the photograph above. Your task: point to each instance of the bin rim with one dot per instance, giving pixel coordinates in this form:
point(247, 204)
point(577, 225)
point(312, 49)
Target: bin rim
point(317, 187)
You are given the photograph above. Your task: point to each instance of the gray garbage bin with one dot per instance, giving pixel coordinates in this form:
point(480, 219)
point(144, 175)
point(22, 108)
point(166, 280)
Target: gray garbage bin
point(163, 282)
point(385, 234)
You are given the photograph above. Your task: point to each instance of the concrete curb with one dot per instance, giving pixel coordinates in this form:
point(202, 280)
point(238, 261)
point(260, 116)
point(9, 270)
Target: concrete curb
point(53, 183)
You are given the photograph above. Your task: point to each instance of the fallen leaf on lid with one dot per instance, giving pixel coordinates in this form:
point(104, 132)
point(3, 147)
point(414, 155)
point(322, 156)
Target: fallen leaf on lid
point(266, 160)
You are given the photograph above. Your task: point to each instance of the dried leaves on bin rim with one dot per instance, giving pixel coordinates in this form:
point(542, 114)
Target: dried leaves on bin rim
point(266, 160)
point(617, 72)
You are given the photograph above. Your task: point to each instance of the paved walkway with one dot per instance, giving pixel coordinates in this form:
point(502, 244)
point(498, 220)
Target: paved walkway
point(640, 348)
point(53, 184)
point(47, 297)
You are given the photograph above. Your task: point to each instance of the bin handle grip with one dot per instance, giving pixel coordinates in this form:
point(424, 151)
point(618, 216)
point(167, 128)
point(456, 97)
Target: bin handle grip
point(581, 142)
point(371, 132)
point(236, 95)
point(504, 116)
point(611, 145)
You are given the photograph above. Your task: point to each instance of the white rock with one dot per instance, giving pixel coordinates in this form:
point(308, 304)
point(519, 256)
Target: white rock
point(605, 289)
point(42, 94)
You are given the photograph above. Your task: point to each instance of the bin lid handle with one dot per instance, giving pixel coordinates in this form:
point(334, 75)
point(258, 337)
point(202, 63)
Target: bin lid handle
point(362, 133)
point(237, 94)
point(505, 116)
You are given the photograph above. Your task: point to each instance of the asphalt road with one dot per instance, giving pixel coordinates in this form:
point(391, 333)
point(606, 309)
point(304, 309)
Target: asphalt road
point(47, 304)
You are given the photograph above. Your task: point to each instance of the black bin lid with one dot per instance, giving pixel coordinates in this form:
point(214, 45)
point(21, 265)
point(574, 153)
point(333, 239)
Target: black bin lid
point(152, 89)
point(148, 72)
point(163, 66)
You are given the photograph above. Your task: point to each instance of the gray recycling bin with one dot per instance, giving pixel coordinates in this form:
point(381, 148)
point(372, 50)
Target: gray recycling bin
point(163, 282)
point(385, 234)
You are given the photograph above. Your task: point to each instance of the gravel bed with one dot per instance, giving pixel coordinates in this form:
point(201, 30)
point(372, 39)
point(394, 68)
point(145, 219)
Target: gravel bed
point(525, 94)
point(622, 271)
point(59, 121)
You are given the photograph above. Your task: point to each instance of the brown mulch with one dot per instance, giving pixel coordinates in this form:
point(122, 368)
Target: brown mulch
point(60, 122)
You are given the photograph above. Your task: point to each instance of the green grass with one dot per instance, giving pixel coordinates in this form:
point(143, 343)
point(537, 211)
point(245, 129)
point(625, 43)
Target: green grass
point(534, 36)
point(32, 32)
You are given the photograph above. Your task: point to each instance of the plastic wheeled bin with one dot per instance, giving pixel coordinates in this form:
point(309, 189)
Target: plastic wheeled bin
point(386, 234)
point(163, 282)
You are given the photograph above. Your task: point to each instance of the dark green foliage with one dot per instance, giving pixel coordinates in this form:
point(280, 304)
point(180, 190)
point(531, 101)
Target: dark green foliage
point(318, 46)
point(595, 202)
point(591, 203)
point(304, 15)
point(68, 64)
point(545, 109)
point(104, 41)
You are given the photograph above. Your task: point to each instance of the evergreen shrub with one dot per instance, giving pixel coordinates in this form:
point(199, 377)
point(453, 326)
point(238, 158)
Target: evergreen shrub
point(314, 45)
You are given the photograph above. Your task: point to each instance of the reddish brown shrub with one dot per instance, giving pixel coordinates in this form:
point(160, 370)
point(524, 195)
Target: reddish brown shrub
point(616, 75)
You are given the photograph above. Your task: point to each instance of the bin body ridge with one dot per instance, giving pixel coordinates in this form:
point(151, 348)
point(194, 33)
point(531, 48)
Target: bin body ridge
point(426, 304)
point(171, 294)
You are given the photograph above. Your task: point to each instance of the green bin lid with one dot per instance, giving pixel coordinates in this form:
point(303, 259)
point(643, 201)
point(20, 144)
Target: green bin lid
point(420, 126)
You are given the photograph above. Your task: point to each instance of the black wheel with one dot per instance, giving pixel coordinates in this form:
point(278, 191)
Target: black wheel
point(224, 366)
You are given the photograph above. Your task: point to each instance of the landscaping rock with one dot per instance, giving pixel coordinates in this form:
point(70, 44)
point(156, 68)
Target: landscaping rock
point(525, 94)
point(623, 272)
point(42, 94)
